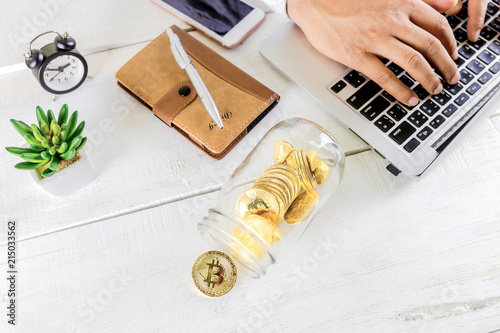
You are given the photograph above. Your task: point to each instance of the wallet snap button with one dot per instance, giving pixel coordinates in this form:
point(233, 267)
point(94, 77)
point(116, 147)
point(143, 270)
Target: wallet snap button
point(184, 91)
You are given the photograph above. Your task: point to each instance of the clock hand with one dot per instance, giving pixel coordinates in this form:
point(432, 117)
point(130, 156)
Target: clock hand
point(52, 69)
point(62, 68)
point(55, 76)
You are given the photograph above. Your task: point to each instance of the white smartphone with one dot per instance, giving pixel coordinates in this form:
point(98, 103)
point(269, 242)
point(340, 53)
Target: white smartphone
point(227, 21)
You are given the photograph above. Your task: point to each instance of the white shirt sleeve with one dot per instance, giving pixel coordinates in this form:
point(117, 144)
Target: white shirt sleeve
point(279, 6)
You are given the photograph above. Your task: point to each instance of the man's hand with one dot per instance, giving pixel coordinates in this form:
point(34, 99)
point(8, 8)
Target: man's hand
point(358, 33)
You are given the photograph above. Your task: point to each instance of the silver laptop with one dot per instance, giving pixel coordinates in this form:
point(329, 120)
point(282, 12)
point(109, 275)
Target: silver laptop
point(410, 139)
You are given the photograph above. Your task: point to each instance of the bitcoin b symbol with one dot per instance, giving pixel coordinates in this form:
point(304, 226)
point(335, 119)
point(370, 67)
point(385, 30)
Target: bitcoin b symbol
point(214, 273)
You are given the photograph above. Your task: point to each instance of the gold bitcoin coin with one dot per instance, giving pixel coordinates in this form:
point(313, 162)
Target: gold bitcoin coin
point(301, 207)
point(319, 169)
point(303, 170)
point(312, 160)
point(281, 151)
point(259, 229)
point(278, 195)
point(214, 273)
point(321, 172)
point(257, 199)
point(287, 174)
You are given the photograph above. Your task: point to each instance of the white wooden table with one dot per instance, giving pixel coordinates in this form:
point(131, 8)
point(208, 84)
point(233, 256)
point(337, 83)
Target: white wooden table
point(116, 256)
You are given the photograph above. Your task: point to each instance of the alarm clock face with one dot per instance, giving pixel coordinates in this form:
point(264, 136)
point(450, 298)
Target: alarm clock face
point(63, 73)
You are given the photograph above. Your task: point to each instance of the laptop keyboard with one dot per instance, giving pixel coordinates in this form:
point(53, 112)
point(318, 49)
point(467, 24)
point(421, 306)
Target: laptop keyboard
point(409, 126)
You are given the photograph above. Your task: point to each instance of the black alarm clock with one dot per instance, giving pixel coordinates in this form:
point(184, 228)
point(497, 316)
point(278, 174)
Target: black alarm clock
point(58, 66)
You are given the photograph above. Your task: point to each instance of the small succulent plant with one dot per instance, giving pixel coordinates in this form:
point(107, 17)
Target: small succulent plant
point(52, 141)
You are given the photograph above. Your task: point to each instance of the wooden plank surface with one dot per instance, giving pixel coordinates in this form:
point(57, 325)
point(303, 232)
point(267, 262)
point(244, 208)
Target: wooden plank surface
point(384, 256)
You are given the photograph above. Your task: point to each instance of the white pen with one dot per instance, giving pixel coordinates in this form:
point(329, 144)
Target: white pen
point(185, 63)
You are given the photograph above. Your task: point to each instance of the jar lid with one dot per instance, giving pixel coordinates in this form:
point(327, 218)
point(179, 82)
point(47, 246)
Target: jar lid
point(214, 273)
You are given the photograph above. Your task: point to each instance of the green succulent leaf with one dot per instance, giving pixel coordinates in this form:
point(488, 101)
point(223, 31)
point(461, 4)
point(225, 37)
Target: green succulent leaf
point(78, 131)
point(55, 141)
point(29, 165)
point(41, 117)
point(45, 129)
point(21, 127)
point(51, 116)
point(52, 126)
point(57, 130)
point(18, 151)
point(31, 140)
point(54, 163)
point(72, 122)
point(63, 115)
point(52, 150)
point(33, 157)
point(45, 143)
point(68, 155)
point(75, 142)
point(63, 136)
point(36, 132)
point(45, 155)
point(84, 141)
point(62, 148)
point(48, 173)
point(37, 148)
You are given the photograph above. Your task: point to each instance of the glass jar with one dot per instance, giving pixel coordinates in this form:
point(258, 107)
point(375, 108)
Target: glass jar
point(274, 194)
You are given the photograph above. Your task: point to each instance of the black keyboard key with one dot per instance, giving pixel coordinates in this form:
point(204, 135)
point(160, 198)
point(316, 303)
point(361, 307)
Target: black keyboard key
point(495, 24)
point(363, 95)
point(487, 57)
point(407, 81)
point(424, 134)
point(463, 13)
point(442, 98)
point(397, 112)
point(388, 96)
point(429, 107)
point(384, 123)
point(477, 44)
point(450, 109)
point(494, 47)
point(485, 77)
point(460, 35)
point(475, 66)
point(462, 99)
point(385, 61)
point(354, 78)
point(466, 51)
point(375, 107)
point(491, 9)
point(417, 118)
point(465, 77)
point(411, 145)
point(488, 33)
point(395, 68)
point(438, 121)
point(420, 91)
point(473, 88)
point(453, 21)
point(495, 68)
point(408, 107)
point(459, 62)
point(402, 132)
point(337, 87)
point(453, 88)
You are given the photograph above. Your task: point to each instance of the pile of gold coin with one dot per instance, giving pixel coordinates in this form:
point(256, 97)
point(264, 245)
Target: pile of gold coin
point(285, 190)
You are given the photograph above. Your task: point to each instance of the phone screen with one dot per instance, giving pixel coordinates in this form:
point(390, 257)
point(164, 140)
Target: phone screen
point(220, 16)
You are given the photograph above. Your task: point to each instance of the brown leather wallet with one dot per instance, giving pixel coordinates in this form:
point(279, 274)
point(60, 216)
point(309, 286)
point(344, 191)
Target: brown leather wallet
point(154, 78)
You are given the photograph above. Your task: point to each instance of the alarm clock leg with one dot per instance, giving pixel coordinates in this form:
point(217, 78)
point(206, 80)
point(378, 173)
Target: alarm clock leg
point(54, 97)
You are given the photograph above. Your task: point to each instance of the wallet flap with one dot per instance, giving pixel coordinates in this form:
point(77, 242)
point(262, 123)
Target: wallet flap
point(226, 70)
point(174, 101)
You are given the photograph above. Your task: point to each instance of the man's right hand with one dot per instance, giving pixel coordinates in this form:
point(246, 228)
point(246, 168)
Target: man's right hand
point(358, 33)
